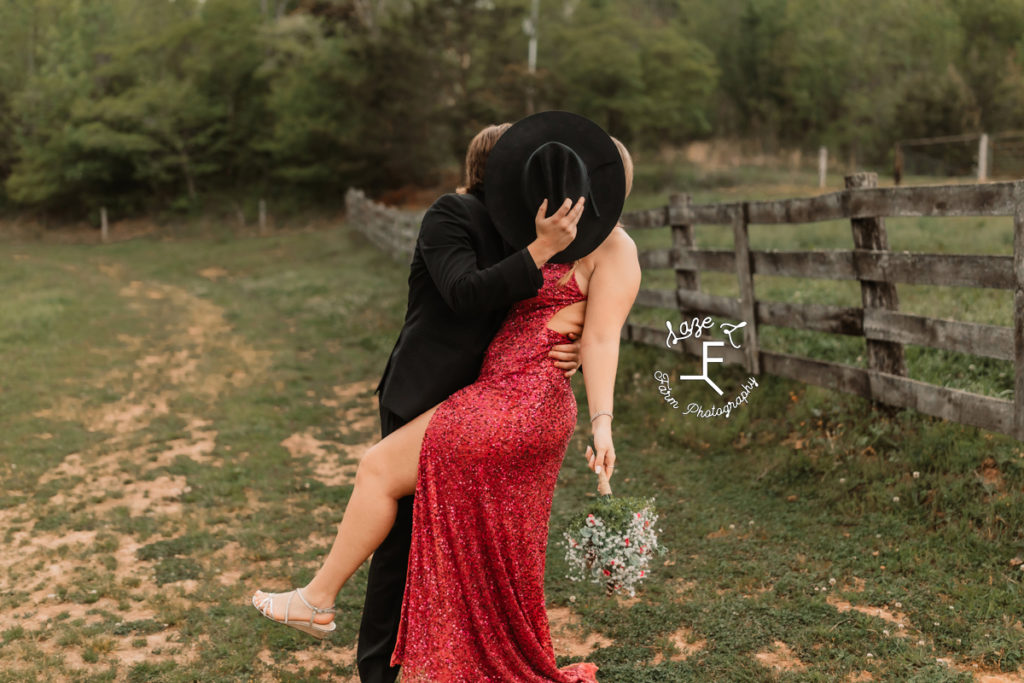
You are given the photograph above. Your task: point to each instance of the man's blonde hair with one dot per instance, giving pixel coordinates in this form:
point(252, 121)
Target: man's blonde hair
point(476, 155)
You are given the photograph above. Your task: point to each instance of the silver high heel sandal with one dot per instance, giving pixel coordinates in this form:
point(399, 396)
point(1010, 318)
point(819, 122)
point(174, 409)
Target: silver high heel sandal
point(266, 604)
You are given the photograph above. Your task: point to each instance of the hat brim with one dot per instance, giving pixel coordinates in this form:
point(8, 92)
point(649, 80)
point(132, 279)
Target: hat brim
point(503, 180)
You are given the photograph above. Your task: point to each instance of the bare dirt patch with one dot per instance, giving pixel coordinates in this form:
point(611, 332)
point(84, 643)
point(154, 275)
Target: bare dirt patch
point(893, 617)
point(48, 564)
point(567, 634)
point(331, 460)
point(686, 644)
point(780, 657)
point(213, 273)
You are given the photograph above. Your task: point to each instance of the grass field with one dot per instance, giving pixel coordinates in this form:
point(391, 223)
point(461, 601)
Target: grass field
point(182, 419)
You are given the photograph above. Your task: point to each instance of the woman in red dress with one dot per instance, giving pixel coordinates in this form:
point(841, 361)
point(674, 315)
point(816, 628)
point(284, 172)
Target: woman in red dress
point(483, 466)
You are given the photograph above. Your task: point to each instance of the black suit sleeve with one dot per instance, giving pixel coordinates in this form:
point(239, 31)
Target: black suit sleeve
point(451, 259)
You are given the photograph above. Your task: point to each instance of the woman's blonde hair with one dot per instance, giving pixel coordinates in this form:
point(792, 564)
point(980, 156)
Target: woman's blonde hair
point(627, 166)
point(476, 155)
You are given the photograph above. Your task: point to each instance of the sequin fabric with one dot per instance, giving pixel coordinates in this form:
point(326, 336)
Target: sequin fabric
point(473, 609)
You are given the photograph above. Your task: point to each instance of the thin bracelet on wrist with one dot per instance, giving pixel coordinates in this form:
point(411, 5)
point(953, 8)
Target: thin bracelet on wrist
point(597, 415)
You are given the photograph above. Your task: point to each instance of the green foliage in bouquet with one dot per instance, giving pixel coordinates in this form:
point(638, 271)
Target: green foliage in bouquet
point(612, 543)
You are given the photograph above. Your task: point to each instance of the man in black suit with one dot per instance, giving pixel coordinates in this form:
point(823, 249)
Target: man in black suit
point(462, 281)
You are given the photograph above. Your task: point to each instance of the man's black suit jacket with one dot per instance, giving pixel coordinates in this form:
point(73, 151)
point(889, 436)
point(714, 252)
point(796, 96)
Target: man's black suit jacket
point(463, 279)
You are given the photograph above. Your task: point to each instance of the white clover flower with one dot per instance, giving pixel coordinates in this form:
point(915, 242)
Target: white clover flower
point(917, 475)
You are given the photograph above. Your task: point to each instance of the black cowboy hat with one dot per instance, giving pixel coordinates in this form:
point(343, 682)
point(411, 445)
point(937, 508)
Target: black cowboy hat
point(555, 155)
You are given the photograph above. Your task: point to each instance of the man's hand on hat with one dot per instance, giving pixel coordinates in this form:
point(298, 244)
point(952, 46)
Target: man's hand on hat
point(555, 232)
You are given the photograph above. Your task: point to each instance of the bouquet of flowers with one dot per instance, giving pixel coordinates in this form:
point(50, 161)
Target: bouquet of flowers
point(613, 541)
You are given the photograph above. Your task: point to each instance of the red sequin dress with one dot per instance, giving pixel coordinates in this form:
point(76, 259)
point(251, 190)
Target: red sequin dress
point(473, 609)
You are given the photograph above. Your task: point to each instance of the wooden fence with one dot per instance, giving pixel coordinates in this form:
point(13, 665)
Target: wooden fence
point(878, 320)
point(391, 230)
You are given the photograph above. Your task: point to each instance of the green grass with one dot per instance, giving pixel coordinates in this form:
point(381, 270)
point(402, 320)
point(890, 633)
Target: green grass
point(153, 542)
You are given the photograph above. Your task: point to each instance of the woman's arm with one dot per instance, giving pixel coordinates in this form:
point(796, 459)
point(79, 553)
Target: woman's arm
point(611, 291)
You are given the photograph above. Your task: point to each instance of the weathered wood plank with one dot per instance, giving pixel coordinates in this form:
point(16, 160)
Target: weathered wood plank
point(659, 338)
point(684, 259)
point(683, 239)
point(990, 341)
point(703, 214)
point(718, 260)
point(952, 270)
point(645, 219)
point(955, 270)
point(994, 414)
point(745, 280)
point(825, 265)
point(990, 199)
point(844, 378)
point(709, 303)
point(656, 298)
point(869, 235)
point(824, 207)
point(689, 300)
point(655, 259)
point(815, 317)
point(1018, 310)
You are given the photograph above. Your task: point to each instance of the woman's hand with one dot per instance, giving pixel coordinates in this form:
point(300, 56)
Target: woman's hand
point(555, 232)
point(602, 456)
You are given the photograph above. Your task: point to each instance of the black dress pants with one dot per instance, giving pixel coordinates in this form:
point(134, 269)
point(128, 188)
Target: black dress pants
point(385, 587)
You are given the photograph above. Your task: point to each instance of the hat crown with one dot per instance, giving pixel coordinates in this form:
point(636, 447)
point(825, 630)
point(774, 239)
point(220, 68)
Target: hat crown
point(555, 172)
point(554, 155)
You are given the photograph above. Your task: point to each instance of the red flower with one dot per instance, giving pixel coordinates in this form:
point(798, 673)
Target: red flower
point(607, 573)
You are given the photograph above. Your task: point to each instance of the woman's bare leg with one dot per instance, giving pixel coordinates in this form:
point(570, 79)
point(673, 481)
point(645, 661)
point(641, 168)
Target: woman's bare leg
point(386, 473)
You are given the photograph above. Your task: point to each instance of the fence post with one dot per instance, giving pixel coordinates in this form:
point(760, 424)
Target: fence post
point(741, 243)
point(822, 165)
point(104, 226)
point(263, 217)
point(983, 158)
point(869, 235)
point(1018, 309)
point(683, 239)
point(897, 165)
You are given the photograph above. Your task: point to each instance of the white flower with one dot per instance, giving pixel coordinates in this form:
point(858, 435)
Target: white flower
point(895, 499)
point(917, 475)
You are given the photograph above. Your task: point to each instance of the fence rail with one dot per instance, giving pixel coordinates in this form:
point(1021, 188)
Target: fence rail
point(884, 328)
point(878, 320)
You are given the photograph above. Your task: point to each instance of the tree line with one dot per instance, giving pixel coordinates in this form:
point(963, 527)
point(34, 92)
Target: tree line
point(143, 104)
